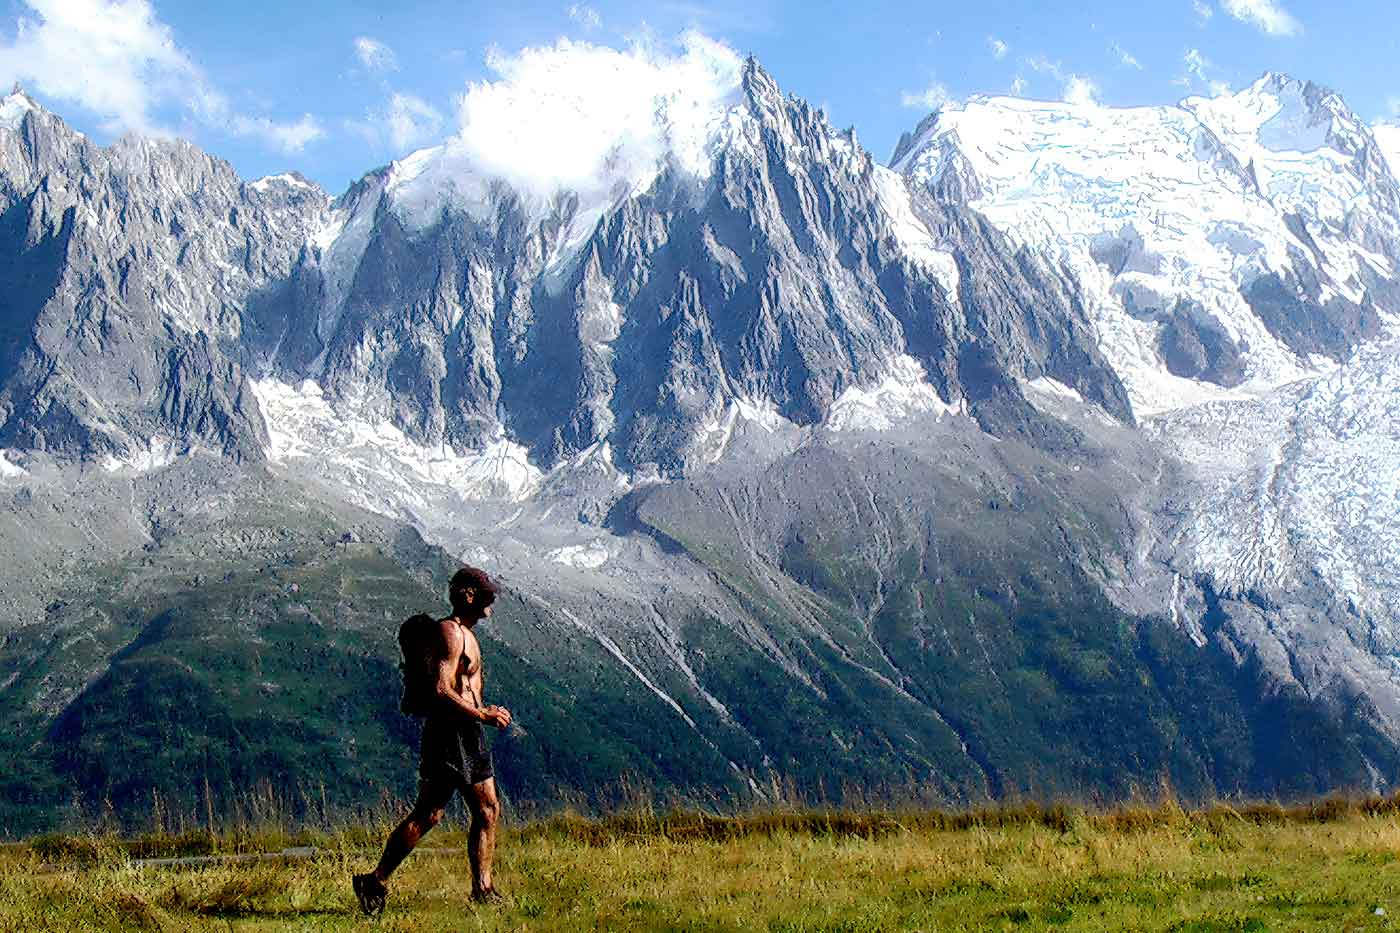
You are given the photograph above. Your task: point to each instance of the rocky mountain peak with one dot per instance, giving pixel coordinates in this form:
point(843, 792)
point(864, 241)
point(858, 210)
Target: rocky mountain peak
point(759, 86)
point(909, 138)
point(767, 284)
point(132, 268)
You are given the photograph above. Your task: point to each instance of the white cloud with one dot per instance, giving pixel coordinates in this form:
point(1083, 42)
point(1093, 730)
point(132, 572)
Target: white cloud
point(580, 117)
point(1267, 15)
point(113, 58)
point(1043, 65)
point(585, 16)
point(1074, 88)
point(375, 55)
point(1195, 64)
point(1018, 86)
point(117, 59)
point(930, 98)
point(412, 122)
point(405, 123)
point(1124, 56)
point(998, 47)
point(1080, 90)
point(1204, 11)
point(284, 137)
point(1197, 71)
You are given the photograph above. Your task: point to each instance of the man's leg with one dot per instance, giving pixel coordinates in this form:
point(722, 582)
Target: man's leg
point(481, 844)
point(370, 888)
point(433, 797)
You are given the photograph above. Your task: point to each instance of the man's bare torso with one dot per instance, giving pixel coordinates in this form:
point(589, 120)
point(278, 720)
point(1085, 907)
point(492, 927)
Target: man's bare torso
point(469, 675)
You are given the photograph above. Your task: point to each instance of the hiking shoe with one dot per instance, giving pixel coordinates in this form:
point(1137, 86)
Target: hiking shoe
point(370, 892)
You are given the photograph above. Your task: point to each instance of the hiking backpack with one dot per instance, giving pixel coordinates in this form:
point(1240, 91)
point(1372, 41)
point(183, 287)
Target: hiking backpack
point(416, 636)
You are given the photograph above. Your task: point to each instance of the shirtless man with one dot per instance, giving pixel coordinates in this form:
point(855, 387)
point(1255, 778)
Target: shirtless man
point(454, 753)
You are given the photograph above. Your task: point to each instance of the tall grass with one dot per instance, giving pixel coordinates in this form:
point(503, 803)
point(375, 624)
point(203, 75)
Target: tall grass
point(1148, 864)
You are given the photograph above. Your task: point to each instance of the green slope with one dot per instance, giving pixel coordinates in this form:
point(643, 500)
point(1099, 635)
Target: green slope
point(890, 622)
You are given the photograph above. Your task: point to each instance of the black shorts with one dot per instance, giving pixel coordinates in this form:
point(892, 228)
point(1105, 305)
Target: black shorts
point(454, 751)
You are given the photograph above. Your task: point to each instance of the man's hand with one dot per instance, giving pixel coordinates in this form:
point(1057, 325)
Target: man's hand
point(497, 716)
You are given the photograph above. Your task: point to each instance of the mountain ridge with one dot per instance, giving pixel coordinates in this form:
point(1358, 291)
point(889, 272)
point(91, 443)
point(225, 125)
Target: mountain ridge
point(802, 454)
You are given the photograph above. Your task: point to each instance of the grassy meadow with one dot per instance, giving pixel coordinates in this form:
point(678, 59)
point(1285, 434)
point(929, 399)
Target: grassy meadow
point(1329, 866)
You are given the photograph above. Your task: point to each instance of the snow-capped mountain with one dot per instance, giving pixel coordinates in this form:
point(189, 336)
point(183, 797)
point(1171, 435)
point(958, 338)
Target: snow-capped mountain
point(997, 447)
point(1238, 256)
point(1225, 245)
point(771, 266)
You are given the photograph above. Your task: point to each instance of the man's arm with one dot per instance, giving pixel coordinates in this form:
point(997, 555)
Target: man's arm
point(448, 658)
point(501, 716)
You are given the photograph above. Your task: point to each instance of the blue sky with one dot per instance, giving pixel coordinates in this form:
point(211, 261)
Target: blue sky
point(333, 89)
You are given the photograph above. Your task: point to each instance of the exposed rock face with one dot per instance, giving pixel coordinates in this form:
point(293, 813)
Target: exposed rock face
point(131, 270)
point(783, 279)
point(796, 271)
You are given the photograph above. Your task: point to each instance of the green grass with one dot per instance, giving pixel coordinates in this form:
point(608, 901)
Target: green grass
point(1325, 867)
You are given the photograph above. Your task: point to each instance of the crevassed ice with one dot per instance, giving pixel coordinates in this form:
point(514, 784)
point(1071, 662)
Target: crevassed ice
point(1152, 206)
point(1157, 391)
point(905, 391)
point(377, 459)
point(1305, 479)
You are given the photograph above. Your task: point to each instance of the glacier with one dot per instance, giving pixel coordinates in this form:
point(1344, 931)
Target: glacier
point(1157, 209)
point(1303, 480)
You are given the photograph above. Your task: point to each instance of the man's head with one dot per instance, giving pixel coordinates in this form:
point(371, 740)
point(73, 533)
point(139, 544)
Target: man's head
point(472, 592)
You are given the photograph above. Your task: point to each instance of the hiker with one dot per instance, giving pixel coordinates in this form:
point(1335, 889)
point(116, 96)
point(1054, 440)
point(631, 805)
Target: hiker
point(446, 692)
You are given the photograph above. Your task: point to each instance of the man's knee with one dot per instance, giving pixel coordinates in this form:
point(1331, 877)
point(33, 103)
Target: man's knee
point(431, 805)
point(487, 811)
point(427, 818)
